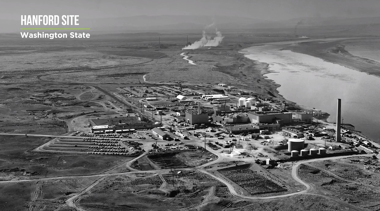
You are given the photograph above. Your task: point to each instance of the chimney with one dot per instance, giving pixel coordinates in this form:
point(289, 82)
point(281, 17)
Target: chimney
point(199, 108)
point(338, 121)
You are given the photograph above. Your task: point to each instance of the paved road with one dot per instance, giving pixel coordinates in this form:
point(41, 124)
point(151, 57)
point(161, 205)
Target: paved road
point(71, 201)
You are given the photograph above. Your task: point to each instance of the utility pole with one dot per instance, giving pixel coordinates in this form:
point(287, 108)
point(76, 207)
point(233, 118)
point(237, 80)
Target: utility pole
point(205, 139)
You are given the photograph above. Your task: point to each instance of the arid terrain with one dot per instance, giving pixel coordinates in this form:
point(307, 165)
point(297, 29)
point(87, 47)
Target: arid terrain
point(52, 88)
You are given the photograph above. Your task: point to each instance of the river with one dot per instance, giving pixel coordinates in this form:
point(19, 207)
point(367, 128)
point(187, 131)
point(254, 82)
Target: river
point(314, 83)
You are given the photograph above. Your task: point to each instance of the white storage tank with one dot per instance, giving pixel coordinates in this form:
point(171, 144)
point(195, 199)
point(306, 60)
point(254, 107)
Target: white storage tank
point(322, 151)
point(313, 152)
point(295, 144)
point(247, 104)
point(294, 153)
point(241, 101)
point(251, 100)
point(304, 153)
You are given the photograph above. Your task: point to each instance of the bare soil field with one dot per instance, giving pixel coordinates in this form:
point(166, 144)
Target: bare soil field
point(15, 196)
point(350, 192)
point(182, 159)
point(252, 182)
point(42, 109)
point(141, 194)
point(296, 203)
point(19, 162)
point(126, 59)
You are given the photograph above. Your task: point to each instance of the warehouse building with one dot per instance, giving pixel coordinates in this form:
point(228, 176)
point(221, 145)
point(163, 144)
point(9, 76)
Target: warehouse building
point(123, 124)
point(160, 133)
point(243, 128)
point(303, 116)
point(281, 118)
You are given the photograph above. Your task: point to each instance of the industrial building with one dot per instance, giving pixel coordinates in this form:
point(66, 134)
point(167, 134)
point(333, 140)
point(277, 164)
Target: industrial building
point(246, 102)
point(303, 116)
point(295, 144)
point(160, 133)
point(231, 118)
point(243, 128)
point(215, 97)
point(196, 117)
point(181, 97)
point(119, 124)
point(282, 118)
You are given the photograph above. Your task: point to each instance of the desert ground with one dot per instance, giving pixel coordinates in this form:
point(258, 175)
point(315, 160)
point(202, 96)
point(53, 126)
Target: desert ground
point(54, 87)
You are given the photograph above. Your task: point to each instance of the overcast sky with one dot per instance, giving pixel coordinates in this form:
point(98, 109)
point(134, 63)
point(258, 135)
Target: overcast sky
point(260, 9)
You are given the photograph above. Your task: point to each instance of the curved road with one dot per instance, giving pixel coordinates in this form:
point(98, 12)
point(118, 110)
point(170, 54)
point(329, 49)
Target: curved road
point(72, 200)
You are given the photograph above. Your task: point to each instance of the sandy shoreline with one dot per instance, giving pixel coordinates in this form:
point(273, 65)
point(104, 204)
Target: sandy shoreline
point(335, 52)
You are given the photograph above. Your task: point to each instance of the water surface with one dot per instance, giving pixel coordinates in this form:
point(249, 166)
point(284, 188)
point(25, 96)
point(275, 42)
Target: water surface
point(314, 83)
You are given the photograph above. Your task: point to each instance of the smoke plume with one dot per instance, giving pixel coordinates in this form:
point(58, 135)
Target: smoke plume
point(296, 27)
point(206, 40)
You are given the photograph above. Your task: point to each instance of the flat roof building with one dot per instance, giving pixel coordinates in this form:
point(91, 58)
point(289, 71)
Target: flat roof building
point(283, 118)
point(195, 117)
point(160, 133)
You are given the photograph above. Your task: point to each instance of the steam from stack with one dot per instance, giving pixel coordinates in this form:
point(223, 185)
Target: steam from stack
point(206, 40)
point(296, 27)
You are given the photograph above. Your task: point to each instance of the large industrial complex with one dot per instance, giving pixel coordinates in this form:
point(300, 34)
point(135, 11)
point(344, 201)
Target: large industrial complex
point(146, 118)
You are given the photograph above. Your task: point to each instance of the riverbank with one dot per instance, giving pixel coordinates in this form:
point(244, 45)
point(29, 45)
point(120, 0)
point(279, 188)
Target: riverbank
point(313, 82)
point(336, 52)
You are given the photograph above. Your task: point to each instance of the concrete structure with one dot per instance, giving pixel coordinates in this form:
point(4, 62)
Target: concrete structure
point(322, 151)
point(237, 119)
point(295, 144)
point(294, 154)
point(159, 133)
point(304, 153)
point(251, 100)
point(248, 104)
point(241, 102)
point(110, 125)
point(214, 97)
point(313, 152)
point(304, 117)
point(150, 99)
point(241, 128)
point(222, 108)
point(338, 121)
point(270, 127)
point(283, 118)
point(181, 97)
point(196, 117)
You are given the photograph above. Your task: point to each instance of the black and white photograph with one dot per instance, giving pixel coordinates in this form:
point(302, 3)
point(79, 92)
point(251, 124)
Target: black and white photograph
point(189, 105)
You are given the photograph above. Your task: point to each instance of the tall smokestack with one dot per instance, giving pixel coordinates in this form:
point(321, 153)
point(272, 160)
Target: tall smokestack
point(338, 121)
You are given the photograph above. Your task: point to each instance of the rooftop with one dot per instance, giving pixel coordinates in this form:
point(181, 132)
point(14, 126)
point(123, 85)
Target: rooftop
point(159, 131)
point(116, 121)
